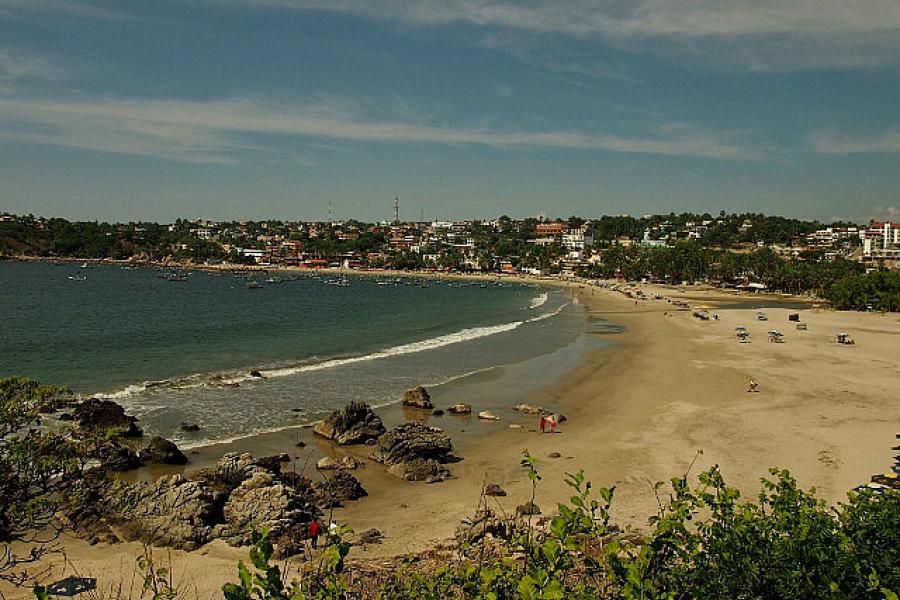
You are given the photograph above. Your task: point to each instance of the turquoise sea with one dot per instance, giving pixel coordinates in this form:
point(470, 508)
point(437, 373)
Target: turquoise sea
point(182, 351)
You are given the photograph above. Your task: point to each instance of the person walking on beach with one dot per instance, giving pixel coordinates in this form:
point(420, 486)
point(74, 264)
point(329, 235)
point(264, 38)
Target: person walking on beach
point(543, 423)
point(553, 423)
point(314, 530)
point(752, 386)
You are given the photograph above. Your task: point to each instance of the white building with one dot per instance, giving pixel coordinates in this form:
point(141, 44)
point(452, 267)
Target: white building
point(881, 239)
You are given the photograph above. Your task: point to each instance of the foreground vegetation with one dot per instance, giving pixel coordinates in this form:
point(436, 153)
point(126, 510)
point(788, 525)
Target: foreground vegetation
point(705, 542)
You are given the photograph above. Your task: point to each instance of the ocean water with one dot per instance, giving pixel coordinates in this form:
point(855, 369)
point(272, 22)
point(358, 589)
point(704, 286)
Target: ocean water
point(182, 351)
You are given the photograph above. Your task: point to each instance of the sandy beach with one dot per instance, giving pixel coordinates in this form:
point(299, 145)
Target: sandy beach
point(638, 412)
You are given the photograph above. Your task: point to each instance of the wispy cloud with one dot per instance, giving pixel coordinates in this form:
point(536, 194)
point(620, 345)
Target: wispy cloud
point(885, 143)
point(759, 35)
point(68, 8)
point(15, 65)
point(215, 131)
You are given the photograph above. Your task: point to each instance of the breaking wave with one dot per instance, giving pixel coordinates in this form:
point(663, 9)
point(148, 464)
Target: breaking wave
point(234, 379)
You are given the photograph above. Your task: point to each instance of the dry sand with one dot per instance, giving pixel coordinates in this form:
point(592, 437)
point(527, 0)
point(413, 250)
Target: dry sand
point(637, 414)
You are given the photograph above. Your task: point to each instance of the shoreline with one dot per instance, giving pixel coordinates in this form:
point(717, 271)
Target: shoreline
point(551, 280)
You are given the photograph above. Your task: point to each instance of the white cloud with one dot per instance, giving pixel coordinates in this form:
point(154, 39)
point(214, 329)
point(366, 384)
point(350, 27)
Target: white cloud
point(885, 143)
point(212, 131)
point(757, 35)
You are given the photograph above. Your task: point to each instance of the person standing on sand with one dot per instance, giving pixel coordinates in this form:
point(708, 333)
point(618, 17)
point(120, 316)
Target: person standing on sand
point(751, 387)
point(314, 531)
point(553, 423)
point(543, 423)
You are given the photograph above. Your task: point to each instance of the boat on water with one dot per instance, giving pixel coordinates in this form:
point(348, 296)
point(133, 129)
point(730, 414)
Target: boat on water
point(175, 277)
point(274, 280)
point(253, 284)
point(77, 278)
point(343, 282)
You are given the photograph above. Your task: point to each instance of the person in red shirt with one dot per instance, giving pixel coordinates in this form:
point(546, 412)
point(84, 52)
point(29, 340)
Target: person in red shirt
point(314, 530)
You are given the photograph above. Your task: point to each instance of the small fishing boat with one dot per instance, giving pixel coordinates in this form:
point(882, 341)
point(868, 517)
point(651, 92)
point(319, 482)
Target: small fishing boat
point(253, 284)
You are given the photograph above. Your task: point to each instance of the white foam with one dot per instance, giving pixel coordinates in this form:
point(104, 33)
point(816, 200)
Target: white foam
point(538, 301)
point(457, 337)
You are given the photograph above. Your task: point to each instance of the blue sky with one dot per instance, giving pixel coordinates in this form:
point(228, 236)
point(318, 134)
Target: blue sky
point(157, 109)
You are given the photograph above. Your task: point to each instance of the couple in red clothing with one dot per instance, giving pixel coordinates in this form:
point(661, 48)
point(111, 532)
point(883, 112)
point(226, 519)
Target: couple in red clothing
point(315, 530)
point(550, 422)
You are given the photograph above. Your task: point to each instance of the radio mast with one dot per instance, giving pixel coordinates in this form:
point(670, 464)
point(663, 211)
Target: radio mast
point(396, 209)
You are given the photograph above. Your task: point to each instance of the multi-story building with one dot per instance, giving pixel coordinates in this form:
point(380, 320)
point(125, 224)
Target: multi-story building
point(881, 240)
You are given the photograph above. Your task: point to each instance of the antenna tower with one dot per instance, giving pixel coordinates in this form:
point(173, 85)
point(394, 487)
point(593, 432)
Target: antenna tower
point(396, 209)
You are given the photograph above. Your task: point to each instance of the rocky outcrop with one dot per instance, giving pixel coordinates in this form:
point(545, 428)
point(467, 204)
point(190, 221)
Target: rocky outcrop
point(101, 416)
point(420, 469)
point(353, 424)
point(417, 398)
point(225, 502)
point(161, 451)
point(116, 457)
point(173, 511)
point(415, 451)
point(329, 463)
point(262, 502)
point(460, 409)
point(338, 488)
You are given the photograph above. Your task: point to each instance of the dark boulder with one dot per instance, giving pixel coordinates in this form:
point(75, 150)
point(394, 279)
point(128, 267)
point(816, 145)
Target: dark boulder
point(161, 451)
point(257, 374)
point(356, 423)
point(494, 490)
point(189, 427)
point(410, 441)
point(417, 398)
point(100, 416)
point(338, 488)
point(370, 536)
point(116, 457)
point(529, 508)
point(415, 451)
